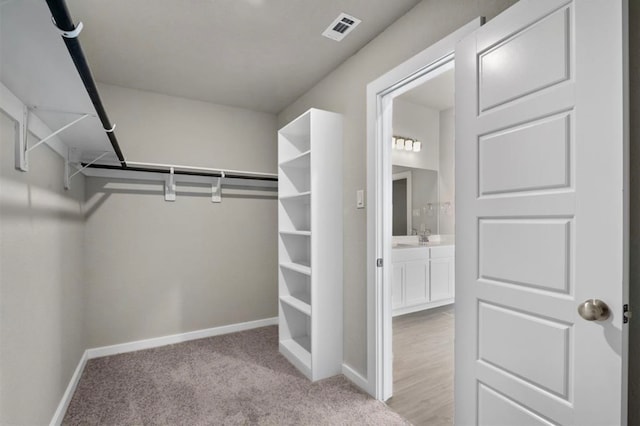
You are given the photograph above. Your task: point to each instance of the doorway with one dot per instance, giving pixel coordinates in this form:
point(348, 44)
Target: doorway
point(423, 250)
point(435, 61)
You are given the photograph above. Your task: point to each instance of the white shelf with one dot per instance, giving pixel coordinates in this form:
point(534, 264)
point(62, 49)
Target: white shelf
point(296, 303)
point(303, 196)
point(296, 348)
point(303, 269)
point(301, 161)
point(300, 233)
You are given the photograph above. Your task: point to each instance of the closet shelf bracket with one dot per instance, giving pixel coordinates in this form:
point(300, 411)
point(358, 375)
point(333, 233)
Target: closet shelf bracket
point(79, 168)
point(170, 186)
point(216, 189)
point(21, 141)
point(23, 150)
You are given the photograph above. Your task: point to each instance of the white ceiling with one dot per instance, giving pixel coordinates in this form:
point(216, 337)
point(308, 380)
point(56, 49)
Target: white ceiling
point(437, 93)
point(255, 54)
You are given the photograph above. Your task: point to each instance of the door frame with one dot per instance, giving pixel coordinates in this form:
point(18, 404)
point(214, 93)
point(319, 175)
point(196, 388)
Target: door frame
point(407, 197)
point(380, 94)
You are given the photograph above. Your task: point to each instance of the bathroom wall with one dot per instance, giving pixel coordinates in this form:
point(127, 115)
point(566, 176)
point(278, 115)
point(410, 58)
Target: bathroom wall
point(42, 288)
point(424, 195)
point(344, 91)
point(416, 122)
point(156, 268)
point(447, 171)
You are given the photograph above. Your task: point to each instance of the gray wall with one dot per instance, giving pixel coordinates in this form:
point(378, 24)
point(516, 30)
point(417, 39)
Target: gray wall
point(168, 129)
point(344, 91)
point(417, 122)
point(156, 268)
point(447, 175)
point(41, 282)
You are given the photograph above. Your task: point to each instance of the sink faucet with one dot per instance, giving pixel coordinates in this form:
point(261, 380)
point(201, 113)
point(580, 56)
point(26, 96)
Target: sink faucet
point(424, 236)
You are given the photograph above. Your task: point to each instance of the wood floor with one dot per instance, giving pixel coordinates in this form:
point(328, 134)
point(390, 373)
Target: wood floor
point(423, 366)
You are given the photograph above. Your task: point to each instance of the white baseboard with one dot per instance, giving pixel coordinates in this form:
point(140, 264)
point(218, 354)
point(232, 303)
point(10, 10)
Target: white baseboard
point(147, 344)
point(422, 307)
point(178, 338)
point(355, 377)
point(58, 416)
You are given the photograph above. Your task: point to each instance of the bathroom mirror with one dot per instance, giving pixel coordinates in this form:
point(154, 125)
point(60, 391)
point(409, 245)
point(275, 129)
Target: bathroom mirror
point(415, 201)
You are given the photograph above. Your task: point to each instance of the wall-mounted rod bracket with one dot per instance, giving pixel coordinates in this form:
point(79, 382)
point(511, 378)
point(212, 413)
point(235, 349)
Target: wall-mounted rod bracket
point(74, 33)
point(216, 189)
point(22, 150)
point(170, 186)
point(22, 129)
point(67, 169)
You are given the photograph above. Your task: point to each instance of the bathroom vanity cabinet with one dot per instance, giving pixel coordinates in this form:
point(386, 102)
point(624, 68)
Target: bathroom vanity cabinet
point(423, 277)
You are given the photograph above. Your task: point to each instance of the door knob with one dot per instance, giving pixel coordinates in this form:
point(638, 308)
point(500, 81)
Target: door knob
point(593, 310)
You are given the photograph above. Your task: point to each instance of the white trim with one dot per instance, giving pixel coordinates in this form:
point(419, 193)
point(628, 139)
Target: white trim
point(147, 344)
point(422, 307)
point(354, 377)
point(380, 94)
point(58, 416)
point(177, 338)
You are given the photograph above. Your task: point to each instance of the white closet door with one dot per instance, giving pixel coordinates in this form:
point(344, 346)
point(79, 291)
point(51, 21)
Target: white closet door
point(541, 192)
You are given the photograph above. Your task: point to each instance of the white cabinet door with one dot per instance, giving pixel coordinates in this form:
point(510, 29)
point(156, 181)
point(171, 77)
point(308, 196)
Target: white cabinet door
point(441, 279)
point(416, 284)
point(397, 289)
point(542, 165)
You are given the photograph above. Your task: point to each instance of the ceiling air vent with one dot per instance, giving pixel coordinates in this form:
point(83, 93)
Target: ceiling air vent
point(341, 26)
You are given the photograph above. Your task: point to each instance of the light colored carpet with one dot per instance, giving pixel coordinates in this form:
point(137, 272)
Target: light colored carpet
point(235, 379)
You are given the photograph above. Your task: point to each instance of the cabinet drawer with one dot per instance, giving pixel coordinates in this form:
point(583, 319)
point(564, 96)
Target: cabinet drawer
point(444, 251)
point(409, 254)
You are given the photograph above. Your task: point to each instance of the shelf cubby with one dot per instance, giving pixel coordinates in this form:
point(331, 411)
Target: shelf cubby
point(294, 139)
point(295, 249)
point(295, 284)
point(294, 180)
point(294, 216)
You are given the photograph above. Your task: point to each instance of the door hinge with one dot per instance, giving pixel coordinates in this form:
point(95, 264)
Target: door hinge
point(379, 262)
point(626, 313)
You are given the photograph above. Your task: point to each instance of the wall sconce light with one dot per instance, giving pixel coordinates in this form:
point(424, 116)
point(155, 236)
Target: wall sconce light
point(406, 144)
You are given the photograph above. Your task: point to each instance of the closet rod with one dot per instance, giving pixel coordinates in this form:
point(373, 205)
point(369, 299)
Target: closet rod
point(230, 175)
point(62, 19)
point(227, 172)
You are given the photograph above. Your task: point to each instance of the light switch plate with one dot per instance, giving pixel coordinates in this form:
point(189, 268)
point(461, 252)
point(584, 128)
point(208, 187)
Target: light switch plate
point(360, 199)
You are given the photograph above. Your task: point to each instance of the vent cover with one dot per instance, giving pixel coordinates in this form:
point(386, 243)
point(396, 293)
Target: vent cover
point(341, 26)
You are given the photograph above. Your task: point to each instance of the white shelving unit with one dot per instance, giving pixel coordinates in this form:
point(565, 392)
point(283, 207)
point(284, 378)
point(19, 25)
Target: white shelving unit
point(310, 243)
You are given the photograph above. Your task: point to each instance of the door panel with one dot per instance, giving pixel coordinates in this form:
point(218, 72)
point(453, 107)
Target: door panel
point(513, 69)
point(441, 279)
point(531, 348)
point(511, 160)
point(397, 296)
point(416, 285)
point(526, 252)
point(497, 409)
point(541, 171)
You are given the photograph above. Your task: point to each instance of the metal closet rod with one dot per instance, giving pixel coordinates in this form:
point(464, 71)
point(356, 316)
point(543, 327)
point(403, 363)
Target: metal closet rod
point(196, 171)
point(62, 19)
